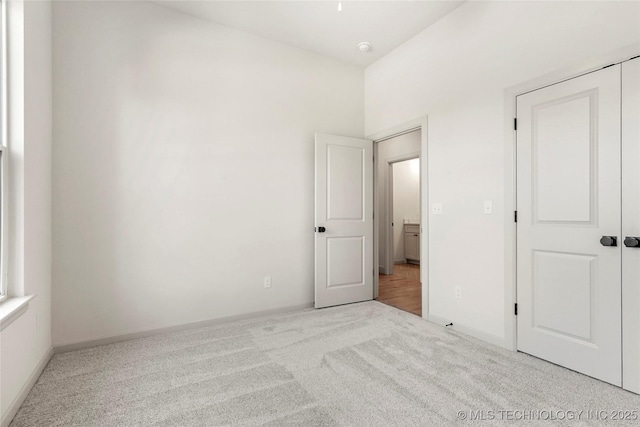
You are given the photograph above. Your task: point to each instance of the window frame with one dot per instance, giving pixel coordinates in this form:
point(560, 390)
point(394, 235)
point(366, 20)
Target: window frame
point(4, 187)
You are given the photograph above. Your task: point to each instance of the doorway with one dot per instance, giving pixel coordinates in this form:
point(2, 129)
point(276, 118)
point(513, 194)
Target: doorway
point(399, 226)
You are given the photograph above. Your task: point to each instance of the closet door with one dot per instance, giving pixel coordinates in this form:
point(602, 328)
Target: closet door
point(631, 224)
point(569, 223)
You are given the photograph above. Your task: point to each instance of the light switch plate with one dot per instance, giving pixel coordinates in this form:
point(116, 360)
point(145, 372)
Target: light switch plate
point(436, 209)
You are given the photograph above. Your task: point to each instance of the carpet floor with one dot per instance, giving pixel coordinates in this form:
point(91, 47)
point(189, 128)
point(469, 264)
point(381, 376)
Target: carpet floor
point(364, 364)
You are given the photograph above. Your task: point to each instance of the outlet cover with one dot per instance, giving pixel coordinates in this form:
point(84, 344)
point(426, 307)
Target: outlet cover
point(267, 281)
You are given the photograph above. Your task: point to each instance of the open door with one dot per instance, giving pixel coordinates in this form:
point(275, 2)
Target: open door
point(343, 220)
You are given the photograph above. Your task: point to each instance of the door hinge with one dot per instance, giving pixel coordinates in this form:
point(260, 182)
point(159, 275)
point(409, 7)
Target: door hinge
point(515, 123)
point(515, 309)
point(515, 216)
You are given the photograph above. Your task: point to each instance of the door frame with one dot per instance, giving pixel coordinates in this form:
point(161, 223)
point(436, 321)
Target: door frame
point(390, 261)
point(420, 123)
point(510, 173)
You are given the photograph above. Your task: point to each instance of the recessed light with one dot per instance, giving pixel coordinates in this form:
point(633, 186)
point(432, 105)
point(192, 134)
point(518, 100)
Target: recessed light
point(364, 46)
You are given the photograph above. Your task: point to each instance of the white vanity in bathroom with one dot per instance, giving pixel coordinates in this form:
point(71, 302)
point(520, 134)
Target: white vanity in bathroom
point(412, 242)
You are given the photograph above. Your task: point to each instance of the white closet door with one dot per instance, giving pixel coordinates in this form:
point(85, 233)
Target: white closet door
point(631, 224)
point(569, 284)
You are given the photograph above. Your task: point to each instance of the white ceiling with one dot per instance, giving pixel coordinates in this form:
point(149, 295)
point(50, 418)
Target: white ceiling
point(319, 27)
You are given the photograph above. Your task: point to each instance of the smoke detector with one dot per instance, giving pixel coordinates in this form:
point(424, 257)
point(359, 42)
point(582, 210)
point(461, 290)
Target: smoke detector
point(364, 46)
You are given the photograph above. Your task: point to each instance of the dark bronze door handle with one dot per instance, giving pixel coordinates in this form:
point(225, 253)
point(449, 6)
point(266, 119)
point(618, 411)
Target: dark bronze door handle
point(609, 241)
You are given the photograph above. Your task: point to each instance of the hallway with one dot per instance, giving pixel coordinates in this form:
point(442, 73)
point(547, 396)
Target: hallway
point(402, 289)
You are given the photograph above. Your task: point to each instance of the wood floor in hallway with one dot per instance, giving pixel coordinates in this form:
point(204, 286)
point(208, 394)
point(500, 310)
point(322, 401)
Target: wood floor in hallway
point(402, 288)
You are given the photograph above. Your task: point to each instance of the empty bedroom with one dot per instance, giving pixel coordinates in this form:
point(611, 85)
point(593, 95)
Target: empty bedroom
point(319, 213)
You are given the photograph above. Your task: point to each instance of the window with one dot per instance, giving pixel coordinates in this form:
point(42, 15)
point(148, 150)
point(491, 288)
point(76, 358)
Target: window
point(3, 221)
point(3, 154)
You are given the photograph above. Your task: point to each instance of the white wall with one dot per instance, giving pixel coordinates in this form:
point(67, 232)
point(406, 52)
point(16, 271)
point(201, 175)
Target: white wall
point(391, 150)
point(406, 201)
point(183, 167)
point(457, 73)
point(26, 343)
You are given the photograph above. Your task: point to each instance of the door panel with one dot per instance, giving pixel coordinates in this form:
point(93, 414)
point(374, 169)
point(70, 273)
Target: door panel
point(569, 290)
point(562, 130)
point(345, 189)
point(345, 261)
point(344, 207)
point(558, 278)
point(631, 223)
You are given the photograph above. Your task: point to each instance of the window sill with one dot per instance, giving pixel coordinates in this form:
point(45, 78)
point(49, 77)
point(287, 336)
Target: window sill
point(12, 308)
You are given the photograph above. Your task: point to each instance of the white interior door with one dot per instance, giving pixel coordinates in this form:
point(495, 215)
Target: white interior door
point(569, 284)
point(344, 220)
point(631, 224)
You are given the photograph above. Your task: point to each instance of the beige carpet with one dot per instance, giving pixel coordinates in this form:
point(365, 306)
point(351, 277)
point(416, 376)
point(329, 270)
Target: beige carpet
point(357, 365)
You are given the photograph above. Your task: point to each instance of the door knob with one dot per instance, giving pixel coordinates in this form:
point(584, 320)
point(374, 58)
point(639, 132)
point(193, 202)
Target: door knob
point(609, 241)
point(632, 242)
point(321, 229)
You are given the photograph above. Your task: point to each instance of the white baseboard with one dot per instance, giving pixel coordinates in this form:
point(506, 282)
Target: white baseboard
point(12, 410)
point(470, 330)
point(79, 345)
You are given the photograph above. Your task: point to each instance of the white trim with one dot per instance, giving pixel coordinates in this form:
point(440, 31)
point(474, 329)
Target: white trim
point(395, 135)
point(4, 223)
point(12, 308)
point(420, 123)
point(404, 157)
point(15, 116)
point(389, 231)
point(12, 409)
point(4, 163)
point(3, 71)
point(388, 214)
point(411, 125)
point(376, 224)
point(110, 339)
point(510, 93)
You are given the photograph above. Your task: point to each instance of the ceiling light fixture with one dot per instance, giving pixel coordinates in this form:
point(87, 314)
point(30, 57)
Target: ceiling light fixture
point(364, 46)
point(339, 5)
